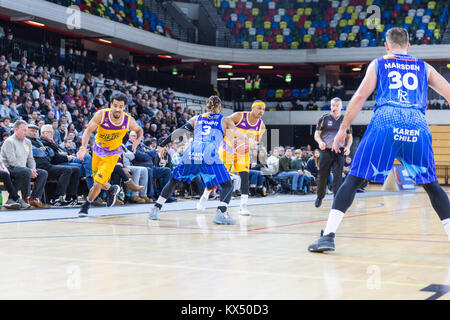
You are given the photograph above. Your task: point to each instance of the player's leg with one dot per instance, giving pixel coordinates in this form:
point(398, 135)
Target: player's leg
point(373, 160)
point(182, 172)
point(201, 204)
point(102, 169)
point(440, 202)
point(222, 216)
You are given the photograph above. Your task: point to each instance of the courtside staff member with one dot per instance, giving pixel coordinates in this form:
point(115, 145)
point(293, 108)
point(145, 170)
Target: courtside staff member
point(326, 130)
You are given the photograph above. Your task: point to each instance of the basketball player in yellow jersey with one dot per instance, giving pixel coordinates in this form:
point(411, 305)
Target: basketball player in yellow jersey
point(111, 125)
point(237, 158)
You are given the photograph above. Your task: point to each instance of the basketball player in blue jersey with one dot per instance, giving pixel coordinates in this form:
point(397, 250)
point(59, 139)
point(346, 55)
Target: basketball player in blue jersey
point(202, 157)
point(398, 129)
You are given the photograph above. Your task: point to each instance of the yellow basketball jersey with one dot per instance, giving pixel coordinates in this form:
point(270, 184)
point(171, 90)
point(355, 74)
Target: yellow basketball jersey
point(109, 137)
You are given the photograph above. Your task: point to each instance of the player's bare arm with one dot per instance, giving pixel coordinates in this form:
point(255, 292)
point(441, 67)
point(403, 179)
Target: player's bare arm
point(231, 131)
point(139, 133)
point(91, 127)
point(366, 88)
point(438, 83)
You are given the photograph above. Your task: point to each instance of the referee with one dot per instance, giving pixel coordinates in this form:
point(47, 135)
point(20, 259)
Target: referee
point(326, 130)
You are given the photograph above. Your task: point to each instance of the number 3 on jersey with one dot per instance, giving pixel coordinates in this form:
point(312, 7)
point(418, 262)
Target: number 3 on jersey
point(206, 130)
point(409, 80)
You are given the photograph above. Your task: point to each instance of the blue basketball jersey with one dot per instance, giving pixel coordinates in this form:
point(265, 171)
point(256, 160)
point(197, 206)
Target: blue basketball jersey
point(398, 129)
point(402, 82)
point(208, 136)
point(201, 158)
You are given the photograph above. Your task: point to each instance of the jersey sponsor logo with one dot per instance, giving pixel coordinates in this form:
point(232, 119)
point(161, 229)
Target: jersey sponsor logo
point(109, 136)
point(405, 135)
point(330, 123)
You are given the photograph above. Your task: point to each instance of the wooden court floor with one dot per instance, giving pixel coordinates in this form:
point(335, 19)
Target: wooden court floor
point(388, 247)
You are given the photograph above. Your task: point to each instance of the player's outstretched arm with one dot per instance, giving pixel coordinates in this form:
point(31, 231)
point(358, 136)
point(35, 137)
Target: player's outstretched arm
point(188, 128)
point(91, 127)
point(361, 95)
point(438, 83)
point(139, 133)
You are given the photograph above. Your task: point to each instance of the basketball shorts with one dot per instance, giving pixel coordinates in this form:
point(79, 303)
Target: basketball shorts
point(395, 133)
point(235, 162)
point(212, 174)
point(102, 167)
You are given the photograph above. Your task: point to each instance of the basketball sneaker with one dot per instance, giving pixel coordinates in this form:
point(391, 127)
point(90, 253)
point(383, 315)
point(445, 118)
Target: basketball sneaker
point(112, 193)
point(223, 218)
point(154, 213)
point(84, 209)
point(324, 243)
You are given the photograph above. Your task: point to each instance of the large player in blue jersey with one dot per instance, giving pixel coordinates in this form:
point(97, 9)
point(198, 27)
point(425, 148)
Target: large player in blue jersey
point(202, 158)
point(398, 129)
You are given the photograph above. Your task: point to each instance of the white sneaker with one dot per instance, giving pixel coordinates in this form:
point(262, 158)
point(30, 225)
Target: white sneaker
point(154, 213)
point(201, 204)
point(243, 211)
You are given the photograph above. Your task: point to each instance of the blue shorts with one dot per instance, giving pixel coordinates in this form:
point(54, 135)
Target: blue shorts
point(400, 133)
point(212, 174)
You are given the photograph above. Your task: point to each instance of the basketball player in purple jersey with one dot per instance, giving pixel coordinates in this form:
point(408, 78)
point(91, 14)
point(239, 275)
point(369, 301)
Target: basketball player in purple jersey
point(398, 129)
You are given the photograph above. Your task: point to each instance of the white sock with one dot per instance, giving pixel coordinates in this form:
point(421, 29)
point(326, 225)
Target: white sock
point(446, 223)
point(206, 193)
point(244, 199)
point(334, 220)
point(161, 200)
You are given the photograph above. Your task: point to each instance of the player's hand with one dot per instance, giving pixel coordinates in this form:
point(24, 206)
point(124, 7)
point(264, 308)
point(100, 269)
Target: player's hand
point(81, 153)
point(322, 145)
point(346, 151)
point(339, 140)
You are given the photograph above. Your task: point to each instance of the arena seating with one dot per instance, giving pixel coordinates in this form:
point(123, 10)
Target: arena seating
point(309, 24)
point(130, 12)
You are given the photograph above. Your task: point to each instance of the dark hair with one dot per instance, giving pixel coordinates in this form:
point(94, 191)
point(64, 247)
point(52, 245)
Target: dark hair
point(119, 96)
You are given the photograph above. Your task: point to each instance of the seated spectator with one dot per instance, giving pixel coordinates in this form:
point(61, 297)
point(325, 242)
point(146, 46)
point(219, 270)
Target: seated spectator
point(311, 106)
point(17, 155)
point(258, 161)
point(288, 171)
point(139, 175)
point(14, 202)
point(299, 164)
point(66, 191)
point(435, 105)
point(148, 157)
point(445, 105)
point(85, 166)
point(297, 106)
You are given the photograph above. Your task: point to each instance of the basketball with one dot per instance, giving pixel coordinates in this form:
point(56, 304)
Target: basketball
point(242, 149)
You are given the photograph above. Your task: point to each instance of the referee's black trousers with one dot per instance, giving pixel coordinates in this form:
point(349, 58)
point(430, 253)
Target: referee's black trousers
point(330, 161)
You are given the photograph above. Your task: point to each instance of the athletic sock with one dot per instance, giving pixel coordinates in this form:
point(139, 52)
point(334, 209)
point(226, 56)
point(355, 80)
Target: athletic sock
point(334, 220)
point(446, 223)
point(159, 203)
point(206, 193)
point(244, 200)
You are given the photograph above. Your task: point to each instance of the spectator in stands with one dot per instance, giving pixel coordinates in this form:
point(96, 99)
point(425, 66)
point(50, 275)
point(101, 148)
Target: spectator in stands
point(279, 106)
point(311, 91)
point(339, 89)
point(26, 110)
point(14, 201)
point(445, 105)
point(66, 191)
point(288, 171)
point(319, 92)
point(248, 85)
point(17, 155)
point(7, 44)
point(139, 176)
point(311, 106)
point(329, 92)
point(435, 104)
point(297, 105)
point(23, 65)
point(256, 176)
point(299, 165)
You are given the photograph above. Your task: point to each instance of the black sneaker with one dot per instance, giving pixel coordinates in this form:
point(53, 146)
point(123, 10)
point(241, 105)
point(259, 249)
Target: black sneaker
point(72, 202)
point(58, 203)
point(84, 209)
point(324, 243)
point(112, 192)
point(318, 202)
